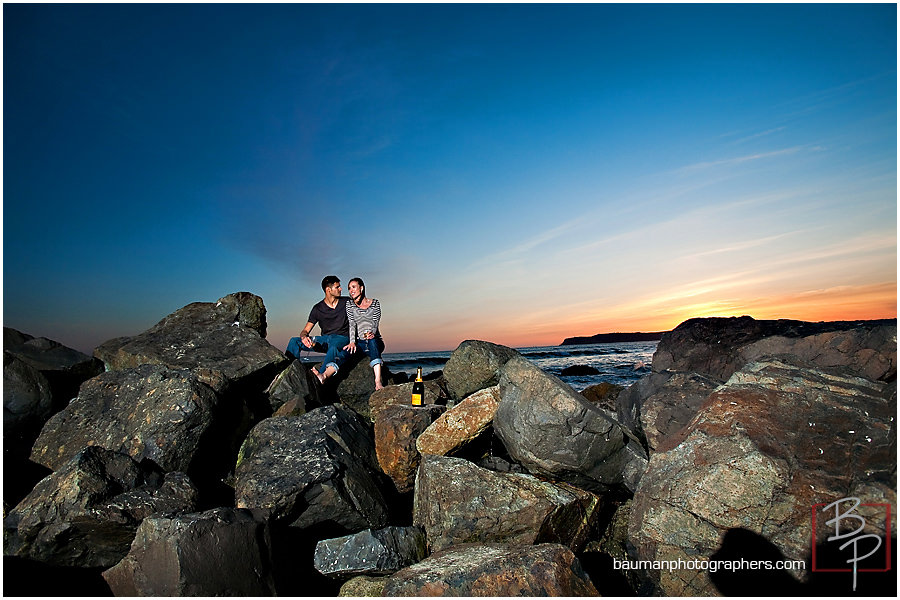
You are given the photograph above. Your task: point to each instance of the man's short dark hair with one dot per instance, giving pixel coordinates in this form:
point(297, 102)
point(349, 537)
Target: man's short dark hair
point(329, 281)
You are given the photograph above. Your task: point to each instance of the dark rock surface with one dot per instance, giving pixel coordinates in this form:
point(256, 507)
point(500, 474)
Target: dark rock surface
point(457, 502)
point(27, 404)
point(494, 570)
point(579, 370)
point(552, 430)
point(64, 368)
point(396, 430)
point(148, 412)
point(86, 513)
point(222, 342)
point(371, 552)
point(475, 365)
point(296, 389)
point(219, 552)
point(313, 469)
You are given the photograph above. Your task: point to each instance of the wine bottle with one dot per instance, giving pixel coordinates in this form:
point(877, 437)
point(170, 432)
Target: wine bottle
point(418, 391)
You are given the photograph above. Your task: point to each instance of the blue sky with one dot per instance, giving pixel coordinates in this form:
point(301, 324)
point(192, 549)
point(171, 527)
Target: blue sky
point(515, 173)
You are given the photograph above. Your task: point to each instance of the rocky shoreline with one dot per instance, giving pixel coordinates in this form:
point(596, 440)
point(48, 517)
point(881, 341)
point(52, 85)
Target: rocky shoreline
point(196, 459)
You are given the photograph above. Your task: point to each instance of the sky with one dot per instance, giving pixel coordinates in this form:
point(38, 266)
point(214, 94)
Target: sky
point(517, 173)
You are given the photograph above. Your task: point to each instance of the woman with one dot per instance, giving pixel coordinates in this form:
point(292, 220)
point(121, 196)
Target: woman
point(364, 315)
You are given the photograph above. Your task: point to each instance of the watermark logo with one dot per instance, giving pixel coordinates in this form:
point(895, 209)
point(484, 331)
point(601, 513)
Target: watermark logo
point(846, 528)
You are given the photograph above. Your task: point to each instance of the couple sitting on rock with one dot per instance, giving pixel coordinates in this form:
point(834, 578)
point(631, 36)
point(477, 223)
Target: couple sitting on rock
point(347, 324)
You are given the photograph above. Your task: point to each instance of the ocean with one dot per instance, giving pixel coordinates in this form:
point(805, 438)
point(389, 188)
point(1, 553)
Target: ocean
point(621, 363)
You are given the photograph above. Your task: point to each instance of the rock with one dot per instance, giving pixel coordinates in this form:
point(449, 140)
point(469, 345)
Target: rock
point(475, 365)
point(494, 570)
point(223, 342)
point(869, 351)
point(64, 368)
point(313, 469)
point(27, 404)
point(673, 404)
point(457, 502)
point(149, 412)
point(462, 424)
point(363, 586)
point(86, 513)
point(706, 352)
point(603, 394)
point(401, 395)
point(358, 383)
point(779, 437)
point(578, 370)
point(219, 552)
point(370, 552)
point(548, 427)
point(396, 430)
point(295, 387)
point(712, 346)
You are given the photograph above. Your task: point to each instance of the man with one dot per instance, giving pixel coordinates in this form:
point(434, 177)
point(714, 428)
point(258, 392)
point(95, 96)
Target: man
point(330, 314)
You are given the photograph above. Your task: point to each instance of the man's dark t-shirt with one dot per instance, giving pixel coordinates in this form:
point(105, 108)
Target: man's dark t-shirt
point(333, 321)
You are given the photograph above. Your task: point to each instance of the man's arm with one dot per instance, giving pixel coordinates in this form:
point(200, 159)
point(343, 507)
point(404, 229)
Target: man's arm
point(304, 335)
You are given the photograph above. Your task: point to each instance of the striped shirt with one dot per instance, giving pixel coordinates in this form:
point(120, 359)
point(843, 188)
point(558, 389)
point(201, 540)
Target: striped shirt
point(362, 320)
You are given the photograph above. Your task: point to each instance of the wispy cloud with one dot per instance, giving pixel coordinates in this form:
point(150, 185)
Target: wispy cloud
point(759, 135)
point(729, 162)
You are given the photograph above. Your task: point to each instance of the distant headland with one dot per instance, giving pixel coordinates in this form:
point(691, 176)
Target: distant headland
point(608, 338)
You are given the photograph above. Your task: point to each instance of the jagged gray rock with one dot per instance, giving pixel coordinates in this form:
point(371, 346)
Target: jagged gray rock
point(457, 502)
point(316, 468)
point(370, 552)
point(222, 342)
point(552, 430)
point(65, 368)
point(295, 389)
point(219, 552)
point(86, 513)
point(475, 365)
point(149, 412)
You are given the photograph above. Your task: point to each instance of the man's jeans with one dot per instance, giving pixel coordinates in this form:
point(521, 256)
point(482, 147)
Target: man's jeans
point(331, 345)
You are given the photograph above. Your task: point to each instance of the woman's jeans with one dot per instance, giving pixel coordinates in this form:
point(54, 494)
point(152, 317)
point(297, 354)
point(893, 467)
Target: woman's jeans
point(331, 345)
point(373, 348)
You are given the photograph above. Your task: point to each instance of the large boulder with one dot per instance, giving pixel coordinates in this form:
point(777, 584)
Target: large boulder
point(475, 365)
point(780, 437)
point(713, 346)
point(494, 570)
point(396, 430)
point(219, 552)
point(87, 512)
point(64, 367)
point(318, 468)
point(223, 342)
point(462, 424)
point(457, 502)
point(148, 412)
point(695, 357)
point(27, 404)
point(371, 552)
point(552, 430)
